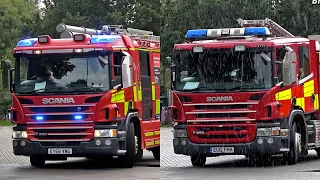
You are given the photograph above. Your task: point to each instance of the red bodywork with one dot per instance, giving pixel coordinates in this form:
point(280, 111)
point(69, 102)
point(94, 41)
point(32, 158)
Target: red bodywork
point(236, 121)
point(93, 109)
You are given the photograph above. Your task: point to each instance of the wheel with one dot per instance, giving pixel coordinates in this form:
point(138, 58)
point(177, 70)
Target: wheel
point(295, 147)
point(127, 160)
point(139, 155)
point(37, 161)
point(156, 152)
point(198, 160)
point(318, 151)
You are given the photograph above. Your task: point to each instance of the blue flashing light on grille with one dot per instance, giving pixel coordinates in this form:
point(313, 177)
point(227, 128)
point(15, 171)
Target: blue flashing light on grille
point(103, 39)
point(197, 33)
point(256, 31)
point(77, 117)
point(26, 42)
point(39, 117)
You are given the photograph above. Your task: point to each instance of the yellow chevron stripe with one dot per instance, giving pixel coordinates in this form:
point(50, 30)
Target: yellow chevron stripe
point(156, 133)
point(300, 102)
point(158, 106)
point(283, 95)
point(118, 97)
point(316, 102)
point(150, 143)
point(153, 89)
point(308, 88)
point(140, 94)
point(135, 93)
point(147, 134)
point(157, 142)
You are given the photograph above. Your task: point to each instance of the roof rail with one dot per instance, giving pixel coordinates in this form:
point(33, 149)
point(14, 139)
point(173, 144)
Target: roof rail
point(273, 27)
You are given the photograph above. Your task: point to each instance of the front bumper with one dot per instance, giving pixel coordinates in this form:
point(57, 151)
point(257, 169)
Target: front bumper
point(79, 149)
point(254, 147)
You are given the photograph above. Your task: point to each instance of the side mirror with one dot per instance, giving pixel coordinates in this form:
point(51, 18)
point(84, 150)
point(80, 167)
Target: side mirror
point(289, 68)
point(127, 78)
point(173, 71)
point(6, 75)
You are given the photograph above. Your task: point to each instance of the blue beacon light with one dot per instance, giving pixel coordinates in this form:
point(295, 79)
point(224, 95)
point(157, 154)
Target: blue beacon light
point(103, 39)
point(78, 117)
point(26, 42)
point(249, 31)
point(39, 117)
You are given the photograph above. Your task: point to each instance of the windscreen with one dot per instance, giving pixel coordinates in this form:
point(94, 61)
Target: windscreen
point(62, 73)
point(224, 70)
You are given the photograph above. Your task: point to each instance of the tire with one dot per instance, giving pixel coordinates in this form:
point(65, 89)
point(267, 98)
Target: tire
point(139, 155)
point(156, 152)
point(37, 161)
point(293, 155)
point(127, 160)
point(198, 160)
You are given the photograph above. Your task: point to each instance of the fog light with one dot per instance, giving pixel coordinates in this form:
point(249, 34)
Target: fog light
point(176, 142)
point(183, 142)
point(15, 143)
point(107, 142)
point(260, 141)
point(98, 142)
point(22, 143)
point(270, 140)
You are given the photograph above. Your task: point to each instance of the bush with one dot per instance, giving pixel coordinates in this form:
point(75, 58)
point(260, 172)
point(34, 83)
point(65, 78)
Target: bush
point(5, 103)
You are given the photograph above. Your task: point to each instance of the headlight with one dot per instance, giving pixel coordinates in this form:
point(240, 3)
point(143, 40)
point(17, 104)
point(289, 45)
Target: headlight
point(179, 133)
point(264, 132)
point(19, 135)
point(105, 133)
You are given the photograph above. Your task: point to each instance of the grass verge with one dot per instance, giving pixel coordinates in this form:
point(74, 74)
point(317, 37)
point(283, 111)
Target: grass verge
point(165, 125)
point(5, 123)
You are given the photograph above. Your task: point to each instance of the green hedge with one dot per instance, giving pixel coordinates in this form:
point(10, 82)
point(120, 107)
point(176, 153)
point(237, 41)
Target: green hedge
point(5, 103)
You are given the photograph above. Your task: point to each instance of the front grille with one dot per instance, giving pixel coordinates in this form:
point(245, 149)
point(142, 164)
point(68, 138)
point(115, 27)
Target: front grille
point(221, 115)
point(58, 109)
point(235, 106)
point(58, 123)
point(221, 132)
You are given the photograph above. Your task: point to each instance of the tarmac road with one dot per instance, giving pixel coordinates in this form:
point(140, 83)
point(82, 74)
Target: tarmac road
point(179, 167)
point(17, 167)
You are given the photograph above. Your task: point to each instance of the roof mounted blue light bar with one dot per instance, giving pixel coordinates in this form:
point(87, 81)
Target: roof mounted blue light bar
point(104, 39)
point(27, 42)
point(207, 33)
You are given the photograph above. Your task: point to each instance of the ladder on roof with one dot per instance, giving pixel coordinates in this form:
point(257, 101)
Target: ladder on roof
point(68, 31)
point(273, 27)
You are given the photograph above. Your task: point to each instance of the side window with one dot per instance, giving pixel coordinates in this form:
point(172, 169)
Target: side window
point(279, 55)
point(117, 67)
point(304, 62)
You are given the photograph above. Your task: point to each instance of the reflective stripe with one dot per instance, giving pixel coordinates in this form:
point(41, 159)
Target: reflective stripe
point(316, 102)
point(118, 97)
point(135, 93)
point(284, 95)
point(147, 134)
point(300, 102)
point(150, 143)
point(153, 92)
point(158, 106)
point(156, 133)
point(126, 107)
point(155, 51)
point(308, 88)
point(141, 49)
point(157, 142)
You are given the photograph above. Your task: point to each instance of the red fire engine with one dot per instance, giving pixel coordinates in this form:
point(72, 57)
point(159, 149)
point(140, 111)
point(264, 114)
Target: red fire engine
point(248, 91)
point(92, 93)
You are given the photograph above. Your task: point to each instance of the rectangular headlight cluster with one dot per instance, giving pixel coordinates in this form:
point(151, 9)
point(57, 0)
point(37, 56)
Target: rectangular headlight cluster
point(19, 134)
point(105, 133)
point(275, 131)
point(180, 133)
